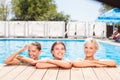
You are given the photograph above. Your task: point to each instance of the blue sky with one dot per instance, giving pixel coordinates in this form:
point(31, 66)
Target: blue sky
point(80, 10)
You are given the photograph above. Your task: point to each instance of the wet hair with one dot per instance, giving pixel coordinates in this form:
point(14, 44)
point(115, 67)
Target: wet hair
point(92, 40)
point(55, 43)
point(37, 44)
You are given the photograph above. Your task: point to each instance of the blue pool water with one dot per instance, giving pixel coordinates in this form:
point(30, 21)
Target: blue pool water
point(74, 49)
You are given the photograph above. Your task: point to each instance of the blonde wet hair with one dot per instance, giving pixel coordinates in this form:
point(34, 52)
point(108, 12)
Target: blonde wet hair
point(92, 40)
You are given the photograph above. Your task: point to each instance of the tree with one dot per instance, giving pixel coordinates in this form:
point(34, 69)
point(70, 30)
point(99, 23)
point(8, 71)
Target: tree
point(105, 8)
point(60, 17)
point(3, 10)
point(35, 10)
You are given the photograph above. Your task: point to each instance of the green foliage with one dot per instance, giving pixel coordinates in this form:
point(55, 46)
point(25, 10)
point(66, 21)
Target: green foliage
point(3, 11)
point(105, 8)
point(60, 17)
point(35, 10)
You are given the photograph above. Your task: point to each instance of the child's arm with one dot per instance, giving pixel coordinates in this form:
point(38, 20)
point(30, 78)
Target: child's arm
point(27, 60)
point(83, 63)
point(44, 65)
point(94, 63)
point(11, 60)
point(61, 63)
point(107, 63)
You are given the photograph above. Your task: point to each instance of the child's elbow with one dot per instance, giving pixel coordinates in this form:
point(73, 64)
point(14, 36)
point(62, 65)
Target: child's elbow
point(32, 63)
point(68, 66)
point(39, 66)
point(79, 65)
point(75, 64)
point(113, 64)
point(6, 62)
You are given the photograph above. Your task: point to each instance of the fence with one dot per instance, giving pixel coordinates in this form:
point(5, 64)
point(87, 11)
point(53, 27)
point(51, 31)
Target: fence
point(86, 29)
point(52, 29)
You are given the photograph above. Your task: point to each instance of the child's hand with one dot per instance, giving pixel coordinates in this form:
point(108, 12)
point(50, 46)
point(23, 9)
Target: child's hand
point(35, 61)
point(20, 58)
point(24, 48)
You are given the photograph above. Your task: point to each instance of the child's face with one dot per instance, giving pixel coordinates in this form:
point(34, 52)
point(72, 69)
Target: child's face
point(33, 52)
point(89, 49)
point(58, 51)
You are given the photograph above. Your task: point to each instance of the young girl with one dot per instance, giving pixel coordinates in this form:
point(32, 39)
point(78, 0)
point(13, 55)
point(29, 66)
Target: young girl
point(34, 49)
point(58, 51)
point(90, 48)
